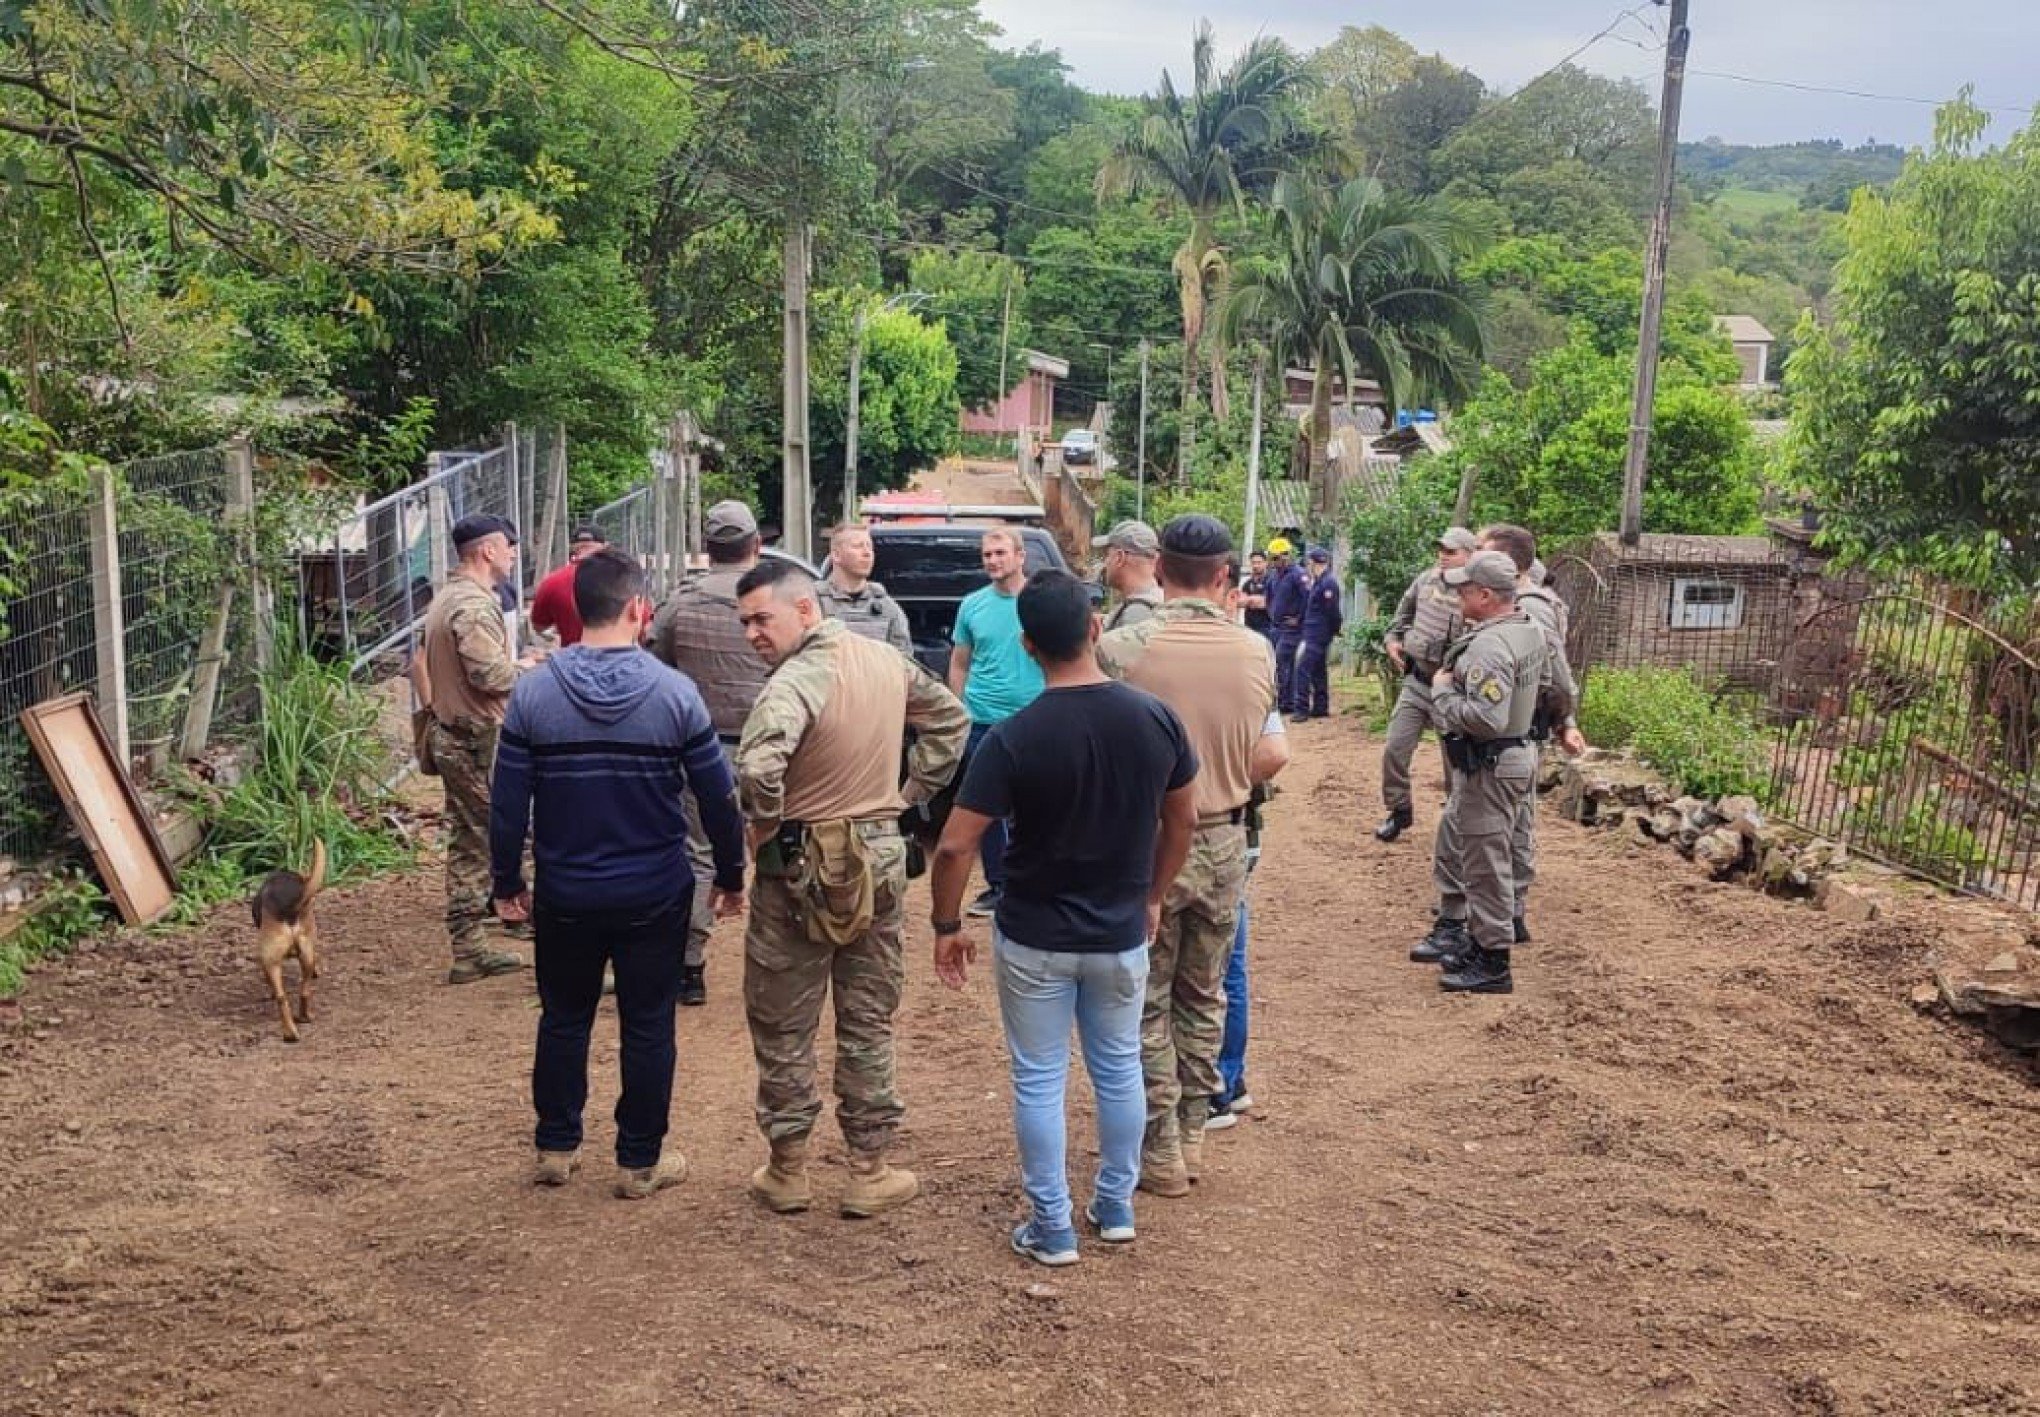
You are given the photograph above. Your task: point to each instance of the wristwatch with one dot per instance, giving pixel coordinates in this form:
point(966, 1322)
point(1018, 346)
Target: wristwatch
point(946, 927)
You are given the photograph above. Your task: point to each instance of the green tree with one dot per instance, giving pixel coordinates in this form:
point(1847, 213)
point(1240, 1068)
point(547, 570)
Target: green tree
point(1364, 286)
point(1207, 150)
point(1401, 137)
point(1107, 285)
point(909, 413)
point(1354, 73)
point(1550, 454)
point(980, 298)
point(1599, 129)
point(1917, 412)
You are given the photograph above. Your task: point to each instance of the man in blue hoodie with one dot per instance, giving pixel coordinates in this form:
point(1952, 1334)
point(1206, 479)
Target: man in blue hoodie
point(596, 756)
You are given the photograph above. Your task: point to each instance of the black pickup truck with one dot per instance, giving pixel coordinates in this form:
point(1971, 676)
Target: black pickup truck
point(930, 566)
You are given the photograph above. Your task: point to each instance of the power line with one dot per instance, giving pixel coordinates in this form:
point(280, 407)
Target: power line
point(1798, 87)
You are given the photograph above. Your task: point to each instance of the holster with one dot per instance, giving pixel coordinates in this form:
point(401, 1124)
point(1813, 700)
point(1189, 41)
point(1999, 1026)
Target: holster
point(1470, 755)
point(421, 742)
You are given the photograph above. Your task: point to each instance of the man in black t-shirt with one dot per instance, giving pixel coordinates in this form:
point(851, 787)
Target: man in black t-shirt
point(1095, 781)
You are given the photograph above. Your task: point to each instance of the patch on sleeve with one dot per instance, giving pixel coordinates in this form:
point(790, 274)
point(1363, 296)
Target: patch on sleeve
point(1492, 690)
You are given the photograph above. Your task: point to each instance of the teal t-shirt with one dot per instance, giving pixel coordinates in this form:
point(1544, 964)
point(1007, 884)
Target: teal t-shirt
point(1003, 678)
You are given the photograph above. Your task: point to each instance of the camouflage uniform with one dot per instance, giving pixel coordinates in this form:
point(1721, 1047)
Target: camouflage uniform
point(867, 610)
point(1426, 623)
point(1220, 679)
point(820, 752)
point(696, 631)
point(468, 660)
point(1493, 695)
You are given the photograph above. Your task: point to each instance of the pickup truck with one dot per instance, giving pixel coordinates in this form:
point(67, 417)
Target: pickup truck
point(927, 559)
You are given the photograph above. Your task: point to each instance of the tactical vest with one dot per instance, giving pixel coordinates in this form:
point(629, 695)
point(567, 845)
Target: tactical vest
point(864, 614)
point(1522, 642)
point(1555, 692)
point(1436, 623)
point(696, 632)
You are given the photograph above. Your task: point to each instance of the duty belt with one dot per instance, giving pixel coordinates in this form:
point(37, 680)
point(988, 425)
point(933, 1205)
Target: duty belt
point(1477, 755)
point(1223, 819)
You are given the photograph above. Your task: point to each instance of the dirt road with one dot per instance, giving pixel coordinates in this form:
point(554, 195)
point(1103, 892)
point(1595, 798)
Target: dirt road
point(1706, 1160)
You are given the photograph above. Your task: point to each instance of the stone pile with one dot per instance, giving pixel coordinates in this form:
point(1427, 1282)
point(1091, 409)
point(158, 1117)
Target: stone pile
point(1726, 838)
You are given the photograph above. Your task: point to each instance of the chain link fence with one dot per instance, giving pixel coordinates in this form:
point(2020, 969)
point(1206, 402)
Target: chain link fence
point(1896, 715)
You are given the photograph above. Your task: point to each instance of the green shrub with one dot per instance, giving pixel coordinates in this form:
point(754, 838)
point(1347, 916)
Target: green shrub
point(1921, 838)
point(1671, 721)
point(71, 907)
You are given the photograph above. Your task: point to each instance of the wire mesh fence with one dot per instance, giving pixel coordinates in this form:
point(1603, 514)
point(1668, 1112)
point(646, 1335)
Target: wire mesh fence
point(627, 523)
point(1898, 716)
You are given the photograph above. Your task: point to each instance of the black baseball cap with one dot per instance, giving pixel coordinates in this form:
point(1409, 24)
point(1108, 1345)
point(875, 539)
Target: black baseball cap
point(1194, 534)
point(472, 529)
point(587, 531)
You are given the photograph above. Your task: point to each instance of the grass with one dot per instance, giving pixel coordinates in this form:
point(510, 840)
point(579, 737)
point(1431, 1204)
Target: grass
point(1752, 203)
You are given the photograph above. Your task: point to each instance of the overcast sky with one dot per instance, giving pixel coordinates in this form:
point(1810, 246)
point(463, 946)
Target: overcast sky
point(1911, 48)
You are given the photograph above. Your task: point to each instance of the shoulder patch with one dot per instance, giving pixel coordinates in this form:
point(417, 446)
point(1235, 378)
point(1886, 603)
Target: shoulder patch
point(1491, 690)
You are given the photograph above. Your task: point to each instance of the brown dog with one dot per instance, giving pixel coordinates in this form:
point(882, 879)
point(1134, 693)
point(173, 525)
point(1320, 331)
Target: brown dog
point(284, 927)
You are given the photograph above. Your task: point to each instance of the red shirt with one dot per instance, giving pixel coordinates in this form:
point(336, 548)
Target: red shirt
point(552, 606)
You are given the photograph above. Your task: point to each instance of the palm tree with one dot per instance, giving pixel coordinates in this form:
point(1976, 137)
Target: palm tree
point(1209, 149)
point(1363, 285)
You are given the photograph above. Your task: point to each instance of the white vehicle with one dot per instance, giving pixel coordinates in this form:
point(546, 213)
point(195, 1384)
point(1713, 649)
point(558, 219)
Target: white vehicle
point(1079, 445)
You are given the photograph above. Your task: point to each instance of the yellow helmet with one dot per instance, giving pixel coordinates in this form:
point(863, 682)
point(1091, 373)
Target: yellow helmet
point(1280, 546)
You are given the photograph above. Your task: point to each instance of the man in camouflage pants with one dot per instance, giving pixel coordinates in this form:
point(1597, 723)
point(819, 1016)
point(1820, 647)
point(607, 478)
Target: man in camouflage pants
point(818, 781)
point(1220, 680)
point(468, 675)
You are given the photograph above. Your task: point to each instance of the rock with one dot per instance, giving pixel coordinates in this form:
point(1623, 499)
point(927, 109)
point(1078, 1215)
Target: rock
point(1718, 852)
point(1777, 868)
point(1665, 824)
point(1044, 1292)
point(1730, 809)
point(2006, 963)
point(1845, 902)
point(6, 867)
point(1550, 773)
point(1925, 996)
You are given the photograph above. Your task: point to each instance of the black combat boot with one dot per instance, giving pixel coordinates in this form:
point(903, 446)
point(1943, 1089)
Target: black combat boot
point(693, 986)
point(1394, 824)
point(1521, 930)
point(1483, 972)
point(1447, 941)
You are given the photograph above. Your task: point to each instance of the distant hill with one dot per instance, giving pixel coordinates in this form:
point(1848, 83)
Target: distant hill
point(1820, 173)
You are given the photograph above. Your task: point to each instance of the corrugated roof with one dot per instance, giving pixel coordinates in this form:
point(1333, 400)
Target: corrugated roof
point(1285, 504)
point(1744, 329)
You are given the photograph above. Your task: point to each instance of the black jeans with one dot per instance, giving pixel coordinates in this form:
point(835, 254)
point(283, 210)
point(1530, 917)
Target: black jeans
point(570, 947)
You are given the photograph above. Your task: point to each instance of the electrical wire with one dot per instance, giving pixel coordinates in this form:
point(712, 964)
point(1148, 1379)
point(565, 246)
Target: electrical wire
point(1799, 87)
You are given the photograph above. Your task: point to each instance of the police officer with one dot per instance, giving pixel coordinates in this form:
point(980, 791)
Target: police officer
point(468, 674)
point(696, 631)
point(1254, 596)
point(818, 779)
point(1426, 623)
point(1216, 676)
point(1286, 593)
point(850, 594)
point(1485, 699)
point(1557, 697)
point(1324, 611)
point(1130, 551)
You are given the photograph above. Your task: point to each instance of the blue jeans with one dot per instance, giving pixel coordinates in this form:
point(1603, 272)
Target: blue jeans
point(992, 847)
point(1288, 688)
point(1232, 1048)
point(1041, 993)
point(570, 948)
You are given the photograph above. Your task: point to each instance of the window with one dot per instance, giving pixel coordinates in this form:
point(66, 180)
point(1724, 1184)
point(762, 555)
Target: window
point(1705, 605)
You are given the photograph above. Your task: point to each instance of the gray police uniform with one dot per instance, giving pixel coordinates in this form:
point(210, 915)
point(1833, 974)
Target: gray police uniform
point(867, 611)
point(1486, 712)
point(1426, 622)
point(696, 631)
point(1549, 614)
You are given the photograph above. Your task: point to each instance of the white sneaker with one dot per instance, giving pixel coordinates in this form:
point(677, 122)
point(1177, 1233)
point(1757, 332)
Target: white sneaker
point(1241, 1105)
point(1221, 1122)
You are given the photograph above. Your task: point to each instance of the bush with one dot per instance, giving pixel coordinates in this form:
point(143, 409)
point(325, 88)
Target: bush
point(1671, 721)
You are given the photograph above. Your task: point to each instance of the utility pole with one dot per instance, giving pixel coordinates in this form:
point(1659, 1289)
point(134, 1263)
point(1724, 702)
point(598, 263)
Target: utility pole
point(1254, 457)
point(1140, 455)
point(1645, 399)
point(850, 429)
point(1005, 333)
point(797, 499)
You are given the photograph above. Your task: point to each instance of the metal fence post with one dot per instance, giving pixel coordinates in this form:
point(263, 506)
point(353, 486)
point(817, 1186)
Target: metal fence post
point(438, 518)
point(241, 505)
point(109, 629)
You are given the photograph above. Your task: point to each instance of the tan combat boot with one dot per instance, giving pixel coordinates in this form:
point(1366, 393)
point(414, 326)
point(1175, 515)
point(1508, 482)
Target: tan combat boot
point(1161, 1169)
point(638, 1183)
point(556, 1168)
point(1191, 1145)
point(781, 1184)
point(876, 1187)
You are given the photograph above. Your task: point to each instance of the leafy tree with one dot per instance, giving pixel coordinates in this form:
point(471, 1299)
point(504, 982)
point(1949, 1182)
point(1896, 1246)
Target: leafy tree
point(981, 300)
point(1363, 287)
point(1401, 137)
point(1917, 413)
point(1550, 455)
point(1353, 73)
point(1567, 116)
point(936, 109)
point(1207, 150)
point(1102, 286)
point(908, 409)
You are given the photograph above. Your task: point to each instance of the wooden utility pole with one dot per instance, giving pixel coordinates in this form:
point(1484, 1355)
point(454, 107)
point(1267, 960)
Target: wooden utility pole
point(1645, 399)
point(797, 499)
point(1254, 461)
point(1005, 333)
point(850, 429)
point(1140, 442)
